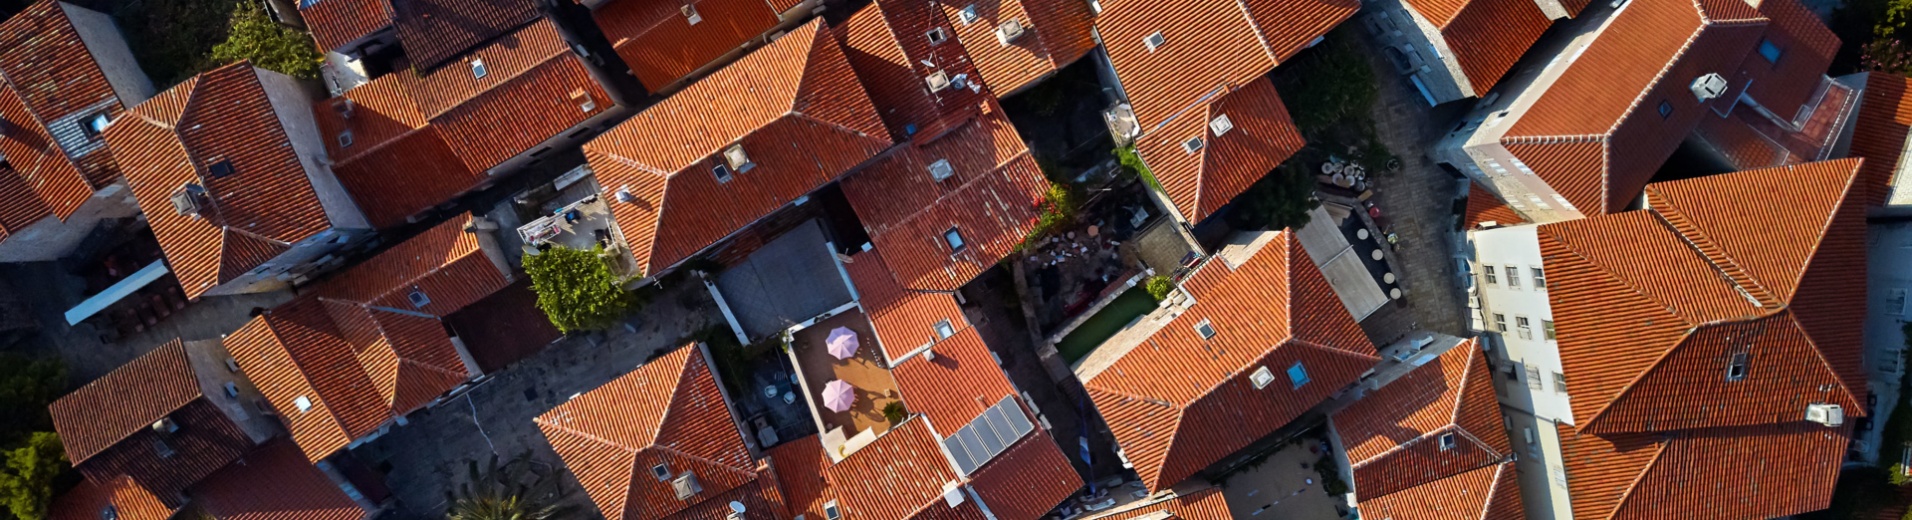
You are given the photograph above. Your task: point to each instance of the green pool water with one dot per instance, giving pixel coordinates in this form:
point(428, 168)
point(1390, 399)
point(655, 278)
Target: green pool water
point(1124, 309)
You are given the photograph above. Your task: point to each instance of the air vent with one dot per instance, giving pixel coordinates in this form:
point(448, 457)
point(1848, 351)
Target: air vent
point(1826, 414)
point(937, 81)
point(302, 403)
point(1261, 377)
point(1009, 31)
point(624, 195)
point(941, 170)
point(1709, 86)
point(1220, 124)
point(686, 486)
point(690, 14)
point(189, 200)
point(166, 425)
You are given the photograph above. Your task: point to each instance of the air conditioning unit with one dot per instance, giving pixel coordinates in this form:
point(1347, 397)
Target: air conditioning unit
point(1709, 86)
point(1009, 31)
point(1826, 414)
point(938, 81)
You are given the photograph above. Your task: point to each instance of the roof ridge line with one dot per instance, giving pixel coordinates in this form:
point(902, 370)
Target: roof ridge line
point(1627, 494)
point(1260, 37)
point(1661, 75)
point(329, 413)
point(677, 388)
point(700, 458)
point(1493, 488)
point(960, 188)
point(1825, 229)
point(1553, 139)
point(1714, 263)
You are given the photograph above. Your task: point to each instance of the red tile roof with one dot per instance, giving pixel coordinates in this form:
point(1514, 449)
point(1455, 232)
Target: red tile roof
point(275, 482)
point(1486, 36)
point(669, 411)
point(20, 206)
point(264, 206)
point(1260, 136)
point(1393, 437)
point(992, 199)
point(1487, 492)
point(448, 127)
point(1710, 279)
point(1276, 310)
point(1236, 41)
point(107, 426)
point(904, 319)
point(1806, 49)
point(661, 45)
point(888, 45)
point(1027, 480)
point(1204, 504)
point(436, 31)
point(445, 263)
point(1484, 206)
point(47, 75)
point(89, 501)
point(1596, 135)
point(900, 475)
point(955, 387)
point(1745, 472)
point(800, 465)
point(795, 108)
point(1055, 34)
point(296, 351)
point(1879, 132)
point(337, 22)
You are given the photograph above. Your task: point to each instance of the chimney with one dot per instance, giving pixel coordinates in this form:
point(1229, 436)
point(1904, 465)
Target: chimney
point(487, 232)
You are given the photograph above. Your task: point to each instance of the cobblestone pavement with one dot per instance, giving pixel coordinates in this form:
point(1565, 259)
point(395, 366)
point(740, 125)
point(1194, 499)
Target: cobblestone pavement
point(1417, 201)
point(424, 457)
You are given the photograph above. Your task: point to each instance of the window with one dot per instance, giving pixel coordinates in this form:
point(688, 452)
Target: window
point(418, 298)
point(944, 330)
point(1512, 369)
point(1154, 41)
point(1513, 277)
point(1769, 51)
point(345, 139)
point(1448, 441)
point(955, 240)
point(831, 511)
point(1546, 327)
point(1736, 367)
point(691, 15)
point(1298, 375)
point(1540, 278)
point(1666, 110)
point(1491, 280)
point(1206, 329)
point(1560, 382)
point(1192, 144)
point(1526, 329)
point(936, 36)
point(1533, 378)
point(969, 15)
point(661, 471)
point(1500, 322)
point(478, 70)
point(96, 124)
point(302, 403)
point(1533, 448)
point(721, 172)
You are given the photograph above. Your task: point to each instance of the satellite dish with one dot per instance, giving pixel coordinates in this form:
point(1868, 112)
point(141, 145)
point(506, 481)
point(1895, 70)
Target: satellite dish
point(737, 506)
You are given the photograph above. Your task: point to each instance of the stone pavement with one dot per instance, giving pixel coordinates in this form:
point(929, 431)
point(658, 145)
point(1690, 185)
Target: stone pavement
point(426, 457)
point(1417, 201)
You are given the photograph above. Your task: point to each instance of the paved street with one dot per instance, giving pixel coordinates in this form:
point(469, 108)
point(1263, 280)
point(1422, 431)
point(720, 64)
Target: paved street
point(496, 417)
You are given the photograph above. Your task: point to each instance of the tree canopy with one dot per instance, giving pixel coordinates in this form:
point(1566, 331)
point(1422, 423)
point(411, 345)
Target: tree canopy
point(576, 290)
point(1280, 200)
point(254, 36)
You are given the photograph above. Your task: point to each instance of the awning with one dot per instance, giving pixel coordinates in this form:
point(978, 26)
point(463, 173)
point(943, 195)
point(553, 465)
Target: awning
point(98, 302)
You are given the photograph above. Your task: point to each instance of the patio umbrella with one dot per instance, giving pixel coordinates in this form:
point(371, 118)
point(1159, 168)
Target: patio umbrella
point(838, 395)
point(842, 342)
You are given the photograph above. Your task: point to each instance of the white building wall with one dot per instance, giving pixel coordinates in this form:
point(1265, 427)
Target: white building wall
point(108, 46)
point(50, 238)
point(1543, 474)
point(1888, 308)
point(1509, 298)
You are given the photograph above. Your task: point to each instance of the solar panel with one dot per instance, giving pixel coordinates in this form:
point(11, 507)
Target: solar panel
point(988, 435)
point(956, 451)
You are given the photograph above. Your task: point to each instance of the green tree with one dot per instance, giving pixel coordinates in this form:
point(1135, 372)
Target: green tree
point(1159, 286)
point(895, 412)
point(27, 386)
point(1330, 85)
point(576, 290)
point(254, 36)
point(27, 481)
point(1280, 200)
point(513, 490)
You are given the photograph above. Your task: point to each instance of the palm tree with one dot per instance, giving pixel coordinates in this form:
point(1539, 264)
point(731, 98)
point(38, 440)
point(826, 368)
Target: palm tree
point(513, 490)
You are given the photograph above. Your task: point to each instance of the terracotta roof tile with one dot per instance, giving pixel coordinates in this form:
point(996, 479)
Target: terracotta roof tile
point(89, 501)
point(337, 22)
point(1027, 480)
point(275, 482)
point(435, 31)
point(661, 45)
point(296, 351)
point(1393, 436)
point(904, 319)
point(1488, 492)
point(888, 45)
point(1747, 472)
point(1609, 96)
point(1276, 311)
point(20, 206)
point(1648, 304)
point(1205, 504)
point(1237, 40)
point(445, 263)
point(1055, 34)
point(992, 198)
point(1806, 49)
point(1484, 206)
point(1488, 36)
point(1883, 120)
point(48, 77)
point(668, 411)
point(908, 462)
point(263, 205)
point(957, 386)
point(1260, 137)
point(800, 465)
point(794, 107)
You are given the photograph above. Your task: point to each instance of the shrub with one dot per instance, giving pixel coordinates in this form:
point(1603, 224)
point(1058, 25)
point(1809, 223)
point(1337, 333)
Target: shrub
point(1059, 207)
point(27, 481)
point(895, 412)
point(1897, 477)
point(254, 36)
point(576, 290)
point(1158, 287)
point(512, 490)
point(1133, 164)
point(1330, 85)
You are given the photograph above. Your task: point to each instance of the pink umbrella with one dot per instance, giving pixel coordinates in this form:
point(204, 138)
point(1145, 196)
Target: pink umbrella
point(838, 395)
point(841, 343)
